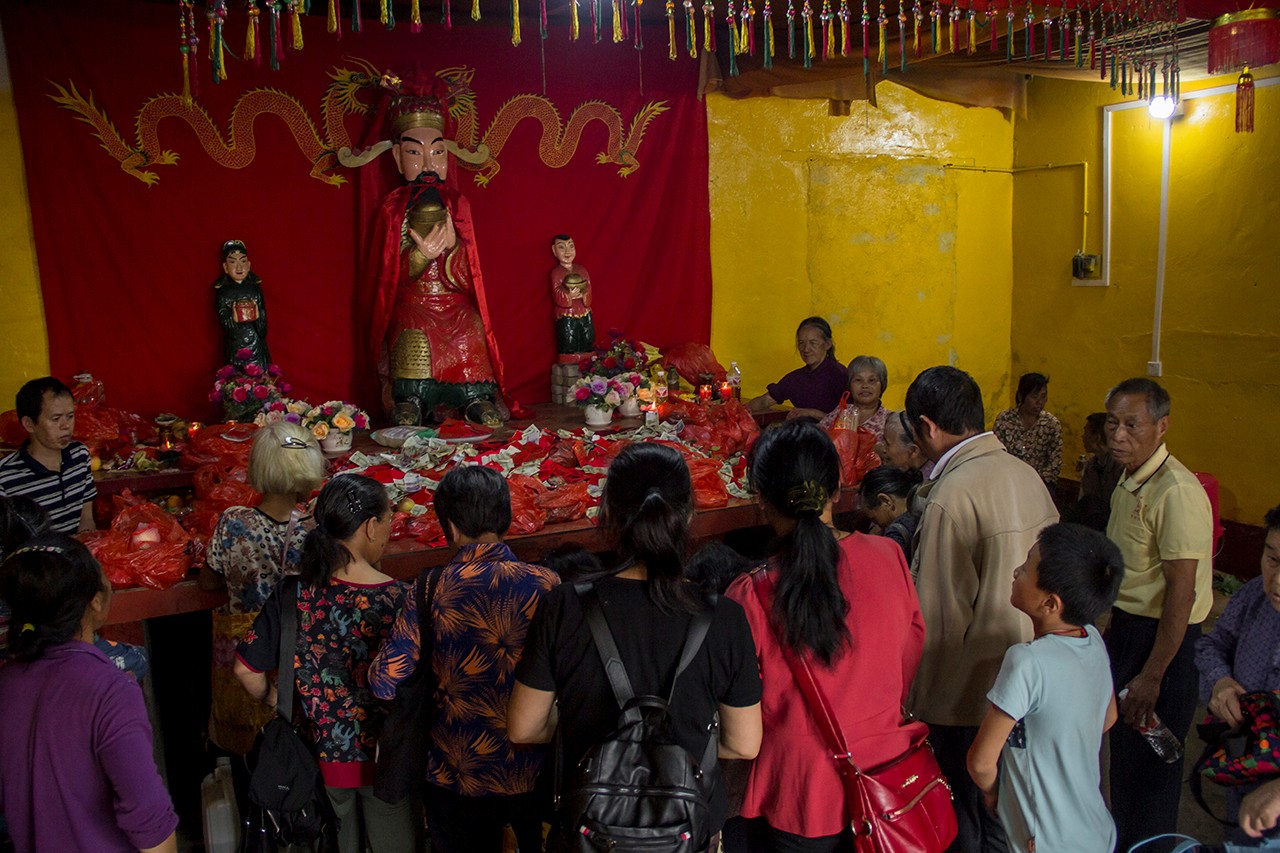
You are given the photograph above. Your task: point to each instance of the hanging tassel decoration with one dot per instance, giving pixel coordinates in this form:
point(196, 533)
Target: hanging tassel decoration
point(828, 34)
point(768, 34)
point(332, 25)
point(251, 53)
point(844, 28)
point(446, 14)
point(709, 27)
point(217, 15)
point(276, 35)
point(1079, 56)
point(971, 33)
point(475, 9)
point(807, 37)
point(918, 16)
point(1008, 35)
point(1048, 36)
point(357, 16)
point(671, 30)
point(616, 6)
point(595, 21)
point(902, 37)
point(415, 16)
point(690, 29)
point(935, 31)
point(186, 28)
point(295, 26)
point(573, 19)
point(953, 29)
point(1029, 31)
point(883, 21)
point(639, 34)
point(991, 19)
point(748, 31)
point(791, 30)
point(866, 41)
point(731, 18)
point(515, 23)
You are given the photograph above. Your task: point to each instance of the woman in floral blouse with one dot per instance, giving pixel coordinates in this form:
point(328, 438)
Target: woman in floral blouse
point(346, 608)
point(1029, 432)
point(251, 548)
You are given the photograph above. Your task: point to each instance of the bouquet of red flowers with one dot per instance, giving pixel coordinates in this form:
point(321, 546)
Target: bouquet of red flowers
point(244, 390)
point(614, 357)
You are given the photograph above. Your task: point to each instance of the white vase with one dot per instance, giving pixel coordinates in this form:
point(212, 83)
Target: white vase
point(336, 441)
point(598, 416)
point(630, 408)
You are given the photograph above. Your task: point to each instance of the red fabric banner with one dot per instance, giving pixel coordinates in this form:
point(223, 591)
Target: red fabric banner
point(132, 193)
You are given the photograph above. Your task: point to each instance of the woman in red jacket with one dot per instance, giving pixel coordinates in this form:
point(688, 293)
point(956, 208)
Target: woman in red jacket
point(846, 603)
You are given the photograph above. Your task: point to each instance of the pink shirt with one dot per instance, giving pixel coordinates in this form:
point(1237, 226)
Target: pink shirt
point(793, 782)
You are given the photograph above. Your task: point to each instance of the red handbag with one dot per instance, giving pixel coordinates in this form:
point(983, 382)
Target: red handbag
point(901, 806)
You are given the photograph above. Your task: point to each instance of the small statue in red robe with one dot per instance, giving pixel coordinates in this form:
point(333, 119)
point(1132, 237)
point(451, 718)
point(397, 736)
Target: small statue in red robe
point(571, 294)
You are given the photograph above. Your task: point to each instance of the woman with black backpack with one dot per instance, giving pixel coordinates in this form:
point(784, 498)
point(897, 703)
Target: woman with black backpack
point(672, 645)
point(345, 608)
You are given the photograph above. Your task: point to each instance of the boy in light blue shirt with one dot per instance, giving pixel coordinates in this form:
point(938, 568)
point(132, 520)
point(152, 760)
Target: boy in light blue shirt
point(1036, 756)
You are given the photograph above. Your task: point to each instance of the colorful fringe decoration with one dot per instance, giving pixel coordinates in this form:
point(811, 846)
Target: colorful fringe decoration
point(334, 23)
point(972, 42)
point(415, 16)
point(1008, 35)
point(690, 29)
point(295, 26)
point(251, 53)
point(731, 18)
point(595, 21)
point(387, 16)
point(573, 19)
point(747, 33)
point(188, 47)
point(995, 28)
point(709, 26)
point(953, 28)
point(1029, 30)
point(357, 17)
point(768, 34)
point(515, 23)
point(617, 21)
point(935, 31)
point(806, 38)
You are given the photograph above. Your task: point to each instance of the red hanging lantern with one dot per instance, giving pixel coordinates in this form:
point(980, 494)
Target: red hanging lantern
point(1251, 37)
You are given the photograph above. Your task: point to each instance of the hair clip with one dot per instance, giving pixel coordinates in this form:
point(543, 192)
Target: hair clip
point(294, 443)
point(809, 496)
point(44, 549)
point(353, 503)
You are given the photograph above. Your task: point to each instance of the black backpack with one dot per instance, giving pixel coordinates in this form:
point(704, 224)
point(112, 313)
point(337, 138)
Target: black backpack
point(287, 799)
point(639, 789)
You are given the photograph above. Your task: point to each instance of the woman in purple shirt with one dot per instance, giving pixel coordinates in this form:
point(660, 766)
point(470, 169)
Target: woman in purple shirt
point(76, 767)
point(814, 389)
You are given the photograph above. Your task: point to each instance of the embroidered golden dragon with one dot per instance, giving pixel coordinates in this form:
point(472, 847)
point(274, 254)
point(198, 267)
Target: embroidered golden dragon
point(327, 145)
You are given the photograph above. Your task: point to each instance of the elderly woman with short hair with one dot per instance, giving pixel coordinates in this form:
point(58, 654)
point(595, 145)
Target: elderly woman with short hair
point(1029, 432)
point(868, 377)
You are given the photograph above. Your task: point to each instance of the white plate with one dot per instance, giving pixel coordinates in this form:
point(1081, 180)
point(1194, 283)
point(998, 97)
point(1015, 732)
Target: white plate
point(394, 436)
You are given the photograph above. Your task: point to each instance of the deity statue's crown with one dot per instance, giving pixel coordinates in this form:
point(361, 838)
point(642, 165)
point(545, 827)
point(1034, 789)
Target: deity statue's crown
point(416, 103)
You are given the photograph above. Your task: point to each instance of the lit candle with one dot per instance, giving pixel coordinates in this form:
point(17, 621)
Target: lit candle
point(726, 391)
point(194, 426)
point(704, 393)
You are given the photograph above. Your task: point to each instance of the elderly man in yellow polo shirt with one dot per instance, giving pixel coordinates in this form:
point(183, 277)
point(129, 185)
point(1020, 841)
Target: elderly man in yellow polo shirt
point(1160, 518)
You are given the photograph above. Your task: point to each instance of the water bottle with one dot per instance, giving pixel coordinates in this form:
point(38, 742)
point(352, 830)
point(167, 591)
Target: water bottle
point(1162, 740)
point(734, 378)
point(660, 385)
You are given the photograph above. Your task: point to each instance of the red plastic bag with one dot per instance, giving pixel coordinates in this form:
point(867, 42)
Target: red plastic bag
point(224, 485)
point(857, 454)
point(692, 360)
point(230, 443)
point(129, 519)
point(526, 515)
point(709, 490)
point(567, 503)
point(158, 567)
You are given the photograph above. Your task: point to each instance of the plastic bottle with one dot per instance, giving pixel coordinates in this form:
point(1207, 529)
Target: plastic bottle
point(1162, 740)
point(734, 377)
point(660, 385)
point(221, 814)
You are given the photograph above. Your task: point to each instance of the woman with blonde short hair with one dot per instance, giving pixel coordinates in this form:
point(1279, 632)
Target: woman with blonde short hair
point(249, 551)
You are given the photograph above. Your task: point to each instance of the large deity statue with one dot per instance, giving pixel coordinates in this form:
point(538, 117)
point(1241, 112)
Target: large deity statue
point(241, 309)
point(437, 354)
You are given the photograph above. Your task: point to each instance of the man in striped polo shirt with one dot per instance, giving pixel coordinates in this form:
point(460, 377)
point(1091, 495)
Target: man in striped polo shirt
point(49, 467)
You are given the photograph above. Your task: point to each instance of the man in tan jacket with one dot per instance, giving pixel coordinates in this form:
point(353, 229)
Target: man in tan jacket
point(983, 510)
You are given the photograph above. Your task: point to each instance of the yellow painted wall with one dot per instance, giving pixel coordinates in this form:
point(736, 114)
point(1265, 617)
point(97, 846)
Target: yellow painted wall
point(24, 348)
point(857, 220)
point(1220, 347)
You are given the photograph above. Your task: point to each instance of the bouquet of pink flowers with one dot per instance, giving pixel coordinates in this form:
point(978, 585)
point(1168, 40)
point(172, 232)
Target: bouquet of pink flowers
point(243, 391)
point(606, 392)
point(284, 409)
point(334, 415)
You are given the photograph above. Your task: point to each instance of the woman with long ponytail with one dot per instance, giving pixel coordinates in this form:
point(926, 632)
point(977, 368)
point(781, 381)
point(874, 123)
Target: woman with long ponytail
point(345, 610)
point(842, 602)
point(648, 605)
